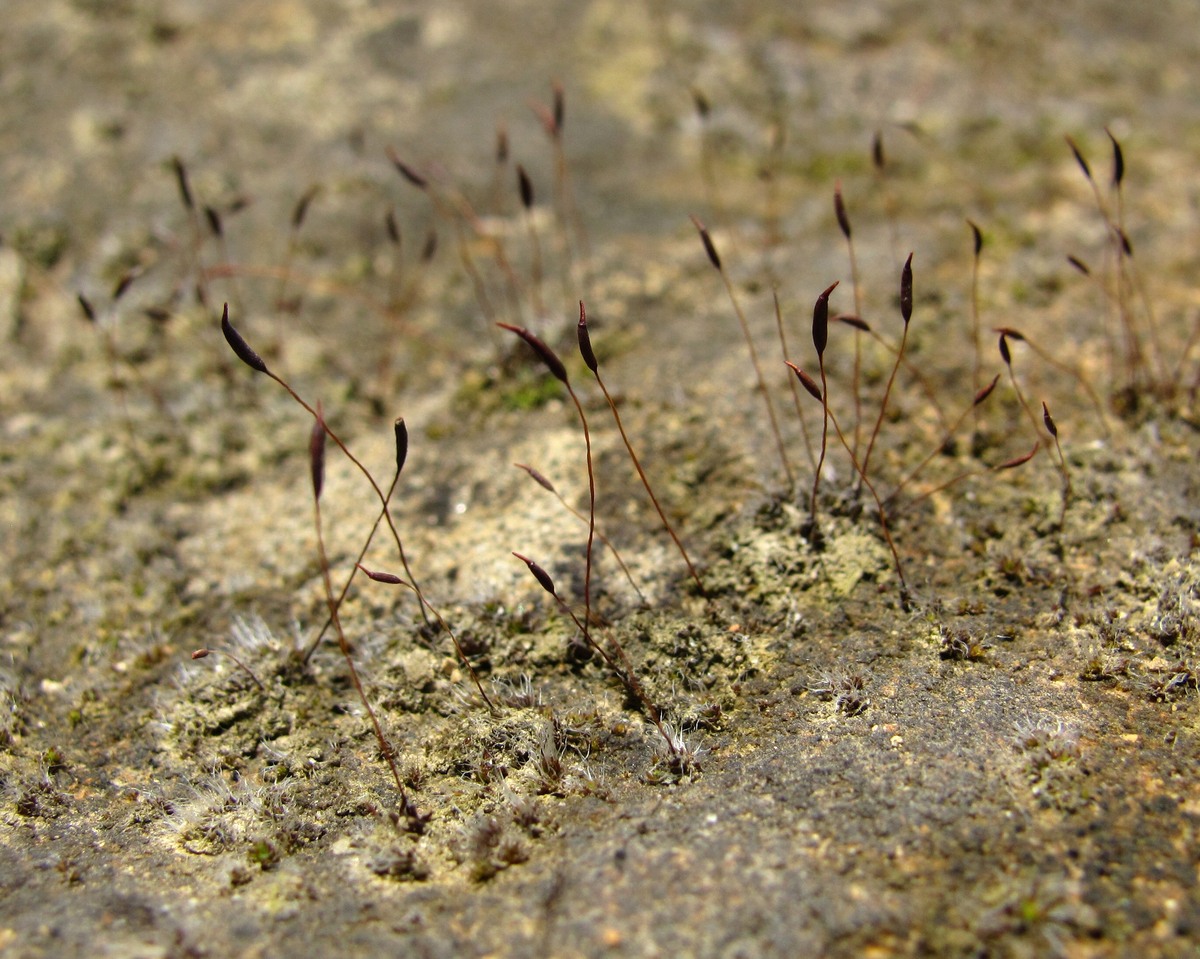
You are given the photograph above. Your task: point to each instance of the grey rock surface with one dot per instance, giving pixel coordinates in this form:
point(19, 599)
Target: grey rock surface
point(1002, 763)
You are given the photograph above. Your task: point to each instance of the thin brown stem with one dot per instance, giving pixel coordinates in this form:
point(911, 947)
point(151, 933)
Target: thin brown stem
point(299, 213)
point(393, 580)
point(208, 650)
point(843, 220)
point(955, 480)
point(545, 484)
point(816, 487)
point(1074, 372)
point(622, 670)
point(761, 385)
point(565, 206)
point(458, 212)
point(784, 352)
point(1125, 279)
point(819, 394)
point(912, 474)
point(535, 244)
point(194, 264)
point(1006, 356)
point(385, 510)
point(977, 371)
point(906, 305)
point(879, 165)
point(559, 372)
point(587, 441)
point(820, 337)
point(589, 358)
point(421, 601)
point(247, 355)
point(415, 818)
point(906, 364)
point(1052, 429)
point(905, 596)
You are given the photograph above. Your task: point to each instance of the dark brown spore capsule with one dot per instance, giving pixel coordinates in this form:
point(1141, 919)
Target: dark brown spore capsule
point(1083, 164)
point(1051, 428)
point(906, 290)
point(537, 477)
point(430, 247)
point(124, 283)
point(839, 209)
point(545, 354)
point(201, 653)
point(214, 221)
point(855, 321)
point(401, 434)
point(181, 178)
point(820, 320)
point(1020, 460)
point(393, 229)
point(703, 107)
point(501, 145)
point(539, 574)
point(806, 381)
point(1004, 353)
point(1118, 159)
point(1012, 334)
point(302, 205)
point(89, 312)
point(526, 187)
point(585, 341)
point(411, 175)
point(560, 107)
point(1079, 265)
point(877, 157)
point(977, 235)
point(316, 454)
point(708, 243)
point(239, 346)
point(984, 393)
point(390, 578)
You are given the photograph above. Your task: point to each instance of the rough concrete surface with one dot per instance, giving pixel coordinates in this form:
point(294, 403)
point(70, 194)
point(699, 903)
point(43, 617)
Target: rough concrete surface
point(792, 753)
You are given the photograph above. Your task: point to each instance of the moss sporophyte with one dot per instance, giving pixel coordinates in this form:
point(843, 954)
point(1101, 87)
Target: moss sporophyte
point(867, 395)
